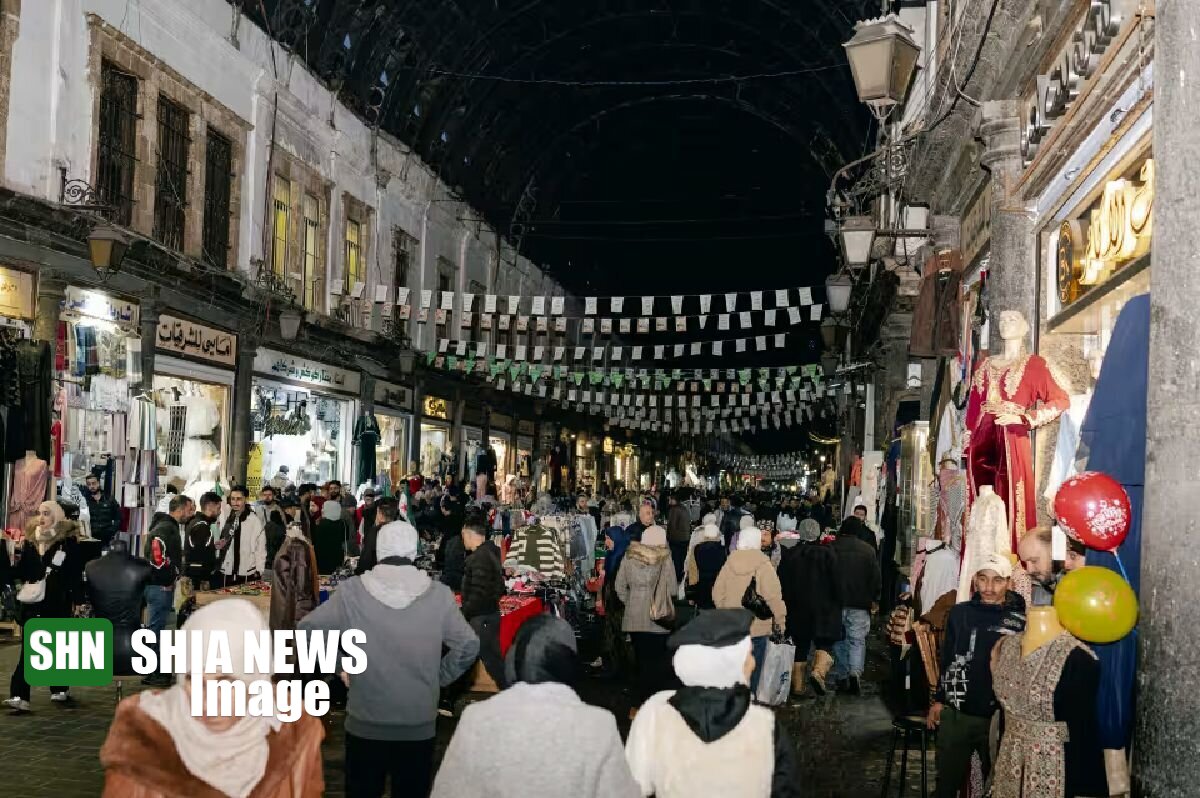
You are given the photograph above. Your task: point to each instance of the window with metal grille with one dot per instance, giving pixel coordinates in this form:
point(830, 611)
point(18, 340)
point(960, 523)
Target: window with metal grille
point(170, 185)
point(355, 272)
point(314, 276)
point(406, 255)
point(218, 175)
point(116, 141)
point(279, 226)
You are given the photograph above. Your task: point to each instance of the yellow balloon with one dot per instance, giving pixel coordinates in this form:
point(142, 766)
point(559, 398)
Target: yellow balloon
point(1096, 605)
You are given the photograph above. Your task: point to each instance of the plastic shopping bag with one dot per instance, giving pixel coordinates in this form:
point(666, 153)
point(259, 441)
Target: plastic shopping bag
point(775, 677)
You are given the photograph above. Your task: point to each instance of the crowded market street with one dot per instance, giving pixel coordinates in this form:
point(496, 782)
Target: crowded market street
point(599, 398)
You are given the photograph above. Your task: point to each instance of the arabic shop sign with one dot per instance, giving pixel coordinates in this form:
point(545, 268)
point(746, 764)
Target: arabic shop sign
point(1113, 231)
point(436, 407)
point(392, 395)
point(187, 338)
point(98, 305)
point(16, 293)
point(1073, 65)
point(296, 369)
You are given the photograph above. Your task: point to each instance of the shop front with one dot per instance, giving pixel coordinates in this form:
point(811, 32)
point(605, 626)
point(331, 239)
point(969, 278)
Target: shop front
point(523, 457)
point(192, 389)
point(586, 450)
point(500, 434)
point(19, 435)
point(436, 438)
point(393, 414)
point(302, 417)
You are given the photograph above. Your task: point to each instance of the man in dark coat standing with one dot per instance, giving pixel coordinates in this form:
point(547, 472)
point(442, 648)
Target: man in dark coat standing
point(812, 592)
point(859, 578)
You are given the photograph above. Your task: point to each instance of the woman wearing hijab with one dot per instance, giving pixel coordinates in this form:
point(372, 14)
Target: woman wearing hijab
point(705, 563)
point(50, 552)
point(156, 749)
point(646, 569)
point(745, 565)
point(567, 747)
point(813, 595)
point(329, 537)
point(709, 738)
point(616, 653)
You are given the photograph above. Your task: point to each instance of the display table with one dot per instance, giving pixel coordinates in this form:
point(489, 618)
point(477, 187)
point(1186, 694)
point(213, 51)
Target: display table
point(257, 593)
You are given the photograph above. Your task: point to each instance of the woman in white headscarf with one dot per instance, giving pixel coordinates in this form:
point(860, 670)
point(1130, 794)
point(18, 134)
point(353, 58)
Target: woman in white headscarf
point(156, 749)
point(745, 566)
point(709, 738)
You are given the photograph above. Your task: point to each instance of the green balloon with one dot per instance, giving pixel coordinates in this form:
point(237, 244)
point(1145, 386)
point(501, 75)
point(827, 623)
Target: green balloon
point(1096, 605)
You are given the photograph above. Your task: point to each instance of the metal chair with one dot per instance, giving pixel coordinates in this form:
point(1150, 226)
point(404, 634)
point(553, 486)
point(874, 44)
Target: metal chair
point(905, 727)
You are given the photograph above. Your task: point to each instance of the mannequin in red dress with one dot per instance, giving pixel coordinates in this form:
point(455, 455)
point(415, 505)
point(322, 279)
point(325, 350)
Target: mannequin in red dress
point(1011, 394)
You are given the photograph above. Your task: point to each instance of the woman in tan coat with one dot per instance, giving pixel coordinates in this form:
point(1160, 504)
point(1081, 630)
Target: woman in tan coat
point(747, 563)
point(156, 749)
point(646, 569)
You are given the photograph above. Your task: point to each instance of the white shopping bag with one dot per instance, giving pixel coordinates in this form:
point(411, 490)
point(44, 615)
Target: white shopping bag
point(775, 676)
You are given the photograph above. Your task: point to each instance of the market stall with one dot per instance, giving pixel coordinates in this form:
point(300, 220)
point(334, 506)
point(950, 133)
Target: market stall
point(393, 413)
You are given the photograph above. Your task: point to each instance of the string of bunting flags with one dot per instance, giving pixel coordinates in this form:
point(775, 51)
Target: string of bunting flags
point(773, 466)
point(537, 353)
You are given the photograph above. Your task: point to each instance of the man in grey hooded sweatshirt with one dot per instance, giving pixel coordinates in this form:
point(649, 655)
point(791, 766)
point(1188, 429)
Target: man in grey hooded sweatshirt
point(407, 618)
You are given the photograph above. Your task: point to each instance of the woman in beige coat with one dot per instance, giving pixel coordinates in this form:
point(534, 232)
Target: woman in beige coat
point(646, 569)
point(746, 563)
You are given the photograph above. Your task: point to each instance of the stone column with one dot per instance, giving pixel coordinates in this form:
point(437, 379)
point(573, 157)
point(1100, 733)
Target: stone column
point(51, 288)
point(1012, 273)
point(1168, 703)
point(456, 435)
point(149, 335)
point(242, 434)
point(414, 444)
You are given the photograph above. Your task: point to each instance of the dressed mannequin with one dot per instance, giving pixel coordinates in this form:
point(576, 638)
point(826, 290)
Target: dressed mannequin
point(366, 438)
point(950, 505)
point(207, 478)
point(828, 478)
point(1001, 412)
point(31, 474)
point(115, 586)
point(1046, 681)
point(987, 534)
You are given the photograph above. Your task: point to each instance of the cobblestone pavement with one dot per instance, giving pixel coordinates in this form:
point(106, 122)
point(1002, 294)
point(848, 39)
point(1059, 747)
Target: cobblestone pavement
point(841, 741)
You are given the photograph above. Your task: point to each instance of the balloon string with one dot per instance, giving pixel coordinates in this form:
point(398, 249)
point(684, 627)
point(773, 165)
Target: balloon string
point(1117, 556)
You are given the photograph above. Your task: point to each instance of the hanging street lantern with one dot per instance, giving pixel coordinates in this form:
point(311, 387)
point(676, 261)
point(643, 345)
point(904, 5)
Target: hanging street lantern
point(883, 57)
point(858, 236)
point(838, 288)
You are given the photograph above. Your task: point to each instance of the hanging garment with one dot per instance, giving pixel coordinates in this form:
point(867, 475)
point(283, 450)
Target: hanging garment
point(1049, 748)
point(939, 576)
point(30, 478)
point(1069, 429)
point(951, 507)
point(1113, 441)
point(936, 321)
point(987, 534)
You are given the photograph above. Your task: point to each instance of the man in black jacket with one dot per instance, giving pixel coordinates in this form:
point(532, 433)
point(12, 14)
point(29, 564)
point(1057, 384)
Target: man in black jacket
point(964, 702)
point(858, 576)
point(164, 551)
point(200, 551)
point(103, 512)
point(383, 512)
point(482, 588)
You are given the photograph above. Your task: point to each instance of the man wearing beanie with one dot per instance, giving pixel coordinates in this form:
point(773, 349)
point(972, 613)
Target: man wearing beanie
point(709, 738)
point(408, 620)
point(964, 702)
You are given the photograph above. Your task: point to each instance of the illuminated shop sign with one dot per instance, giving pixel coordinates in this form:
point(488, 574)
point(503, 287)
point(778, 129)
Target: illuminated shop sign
point(16, 294)
point(436, 407)
point(1115, 230)
point(1057, 89)
point(183, 337)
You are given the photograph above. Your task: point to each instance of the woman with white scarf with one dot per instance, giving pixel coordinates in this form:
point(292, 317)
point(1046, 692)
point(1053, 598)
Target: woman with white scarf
point(156, 749)
point(708, 738)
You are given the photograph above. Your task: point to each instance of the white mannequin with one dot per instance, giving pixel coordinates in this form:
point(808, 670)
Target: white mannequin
point(986, 534)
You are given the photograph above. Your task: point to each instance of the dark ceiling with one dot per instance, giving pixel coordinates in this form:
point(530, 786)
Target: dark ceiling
point(629, 146)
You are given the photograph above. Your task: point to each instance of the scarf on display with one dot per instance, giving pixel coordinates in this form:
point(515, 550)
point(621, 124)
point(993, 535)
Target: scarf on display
point(232, 761)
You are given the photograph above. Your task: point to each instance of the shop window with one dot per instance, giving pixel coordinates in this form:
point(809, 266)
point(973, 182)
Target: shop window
point(170, 185)
point(116, 141)
point(279, 225)
point(355, 271)
point(314, 275)
point(218, 177)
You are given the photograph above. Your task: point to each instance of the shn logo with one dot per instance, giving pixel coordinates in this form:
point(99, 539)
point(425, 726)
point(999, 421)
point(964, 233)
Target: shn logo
point(68, 652)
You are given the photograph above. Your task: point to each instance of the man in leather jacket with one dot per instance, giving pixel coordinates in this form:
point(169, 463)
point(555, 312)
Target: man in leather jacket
point(115, 585)
point(105, 513)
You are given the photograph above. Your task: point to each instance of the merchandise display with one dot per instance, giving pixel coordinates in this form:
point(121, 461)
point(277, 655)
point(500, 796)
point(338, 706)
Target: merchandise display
point(192, 422)
point(308, 432)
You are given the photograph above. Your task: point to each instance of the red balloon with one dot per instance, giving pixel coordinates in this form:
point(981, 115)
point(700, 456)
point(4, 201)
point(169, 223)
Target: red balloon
point(1093, 508)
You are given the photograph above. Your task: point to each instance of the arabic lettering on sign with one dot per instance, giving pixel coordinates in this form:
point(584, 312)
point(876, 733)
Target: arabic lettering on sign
point(285, 366)
point(196, 340)
point(97, 305)
point(390, 395)
point(16, 293)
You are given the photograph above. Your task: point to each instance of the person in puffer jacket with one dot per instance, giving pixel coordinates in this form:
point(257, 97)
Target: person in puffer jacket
point(748, 564)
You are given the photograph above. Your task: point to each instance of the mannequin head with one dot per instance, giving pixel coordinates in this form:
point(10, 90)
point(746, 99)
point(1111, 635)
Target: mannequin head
point(1012, 326)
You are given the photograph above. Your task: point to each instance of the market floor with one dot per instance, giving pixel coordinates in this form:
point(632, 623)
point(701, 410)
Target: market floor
point(842, 741)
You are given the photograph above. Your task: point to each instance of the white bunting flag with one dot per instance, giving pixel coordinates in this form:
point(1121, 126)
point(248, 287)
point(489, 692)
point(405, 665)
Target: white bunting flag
point(806, 296)
point(794, 315)
point(542, 390)
point(703, 321)
point(579, 352)
point(637, 353)
point(660, 324)
point(678, 350)
point(816, 313)
point(426, 299)
point(769, 318)
point(489, 303)
point(559, 351)
point(571, 395)
point(501, 350)
point(443, 345)
point(447, 300)
point(658, 352)
point(520, 352)
point(647, 305)
point(756, 300)
point(468, 302)
point(537, 354)
point(616, 304)
point(780, 340)
point(741, 344)
point(696, 347)
point(781, 297)
point(717, 346)
point(677, 305)
point(624, 326)
point(723, 321)
point(745, 320)
point(705, 303)
point(461, 349)
point(696, 400)
point(617, 352)
point(716, 400)
point(500, 385)
point(597, 353)
point(514, 305)
point(643, 325)
point(667, 400)
point(589, 306)
point(539, 306)
point(589, 326)
point(585, 396)
point(681, 323)
point(481, 349)
point(382, 293)
point(730, 303)
point(605, 326)
point(403, 295)
point(557, 304)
